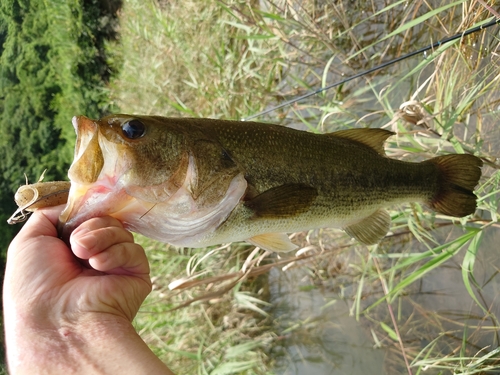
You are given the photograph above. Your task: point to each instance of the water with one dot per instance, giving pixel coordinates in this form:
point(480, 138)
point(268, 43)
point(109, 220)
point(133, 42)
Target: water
point(326, 340)
point(318, 334)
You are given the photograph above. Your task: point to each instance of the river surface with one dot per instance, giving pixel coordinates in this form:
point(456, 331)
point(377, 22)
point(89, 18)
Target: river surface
point(320, 335)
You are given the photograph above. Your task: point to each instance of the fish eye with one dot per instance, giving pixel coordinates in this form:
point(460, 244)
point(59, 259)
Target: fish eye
point(133, 129)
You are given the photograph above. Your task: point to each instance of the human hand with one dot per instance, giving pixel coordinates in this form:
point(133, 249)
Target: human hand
point(43, 274)
point(61, 317)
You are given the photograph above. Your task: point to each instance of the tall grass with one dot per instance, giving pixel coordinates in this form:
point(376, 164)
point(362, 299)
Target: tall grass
point(230, 59)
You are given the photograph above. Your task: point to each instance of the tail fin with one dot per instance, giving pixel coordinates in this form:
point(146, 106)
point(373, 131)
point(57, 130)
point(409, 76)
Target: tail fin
point(460, 173)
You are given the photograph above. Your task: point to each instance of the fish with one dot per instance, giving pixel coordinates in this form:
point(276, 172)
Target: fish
point(195, 182)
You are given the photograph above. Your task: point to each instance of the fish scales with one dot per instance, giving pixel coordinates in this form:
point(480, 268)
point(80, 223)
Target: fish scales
point(273, 156)
point(346, 174)
point(349, 177)
point(200, 182)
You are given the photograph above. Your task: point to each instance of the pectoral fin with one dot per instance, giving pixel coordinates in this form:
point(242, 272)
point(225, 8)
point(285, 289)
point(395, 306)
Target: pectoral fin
point(277, 242)
point(283, 201)
point(371, 229)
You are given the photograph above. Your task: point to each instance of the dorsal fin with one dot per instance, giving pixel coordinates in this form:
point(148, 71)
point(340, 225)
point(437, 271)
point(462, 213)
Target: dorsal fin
point(373, 138)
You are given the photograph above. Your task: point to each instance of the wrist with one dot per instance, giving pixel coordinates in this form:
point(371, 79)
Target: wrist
point(95, 343)
point(39, 345)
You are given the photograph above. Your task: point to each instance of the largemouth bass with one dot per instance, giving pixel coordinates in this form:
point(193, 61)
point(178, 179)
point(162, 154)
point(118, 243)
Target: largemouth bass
point(202, 182)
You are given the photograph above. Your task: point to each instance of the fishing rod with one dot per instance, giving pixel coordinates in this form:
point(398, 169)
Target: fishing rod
point(378, 67)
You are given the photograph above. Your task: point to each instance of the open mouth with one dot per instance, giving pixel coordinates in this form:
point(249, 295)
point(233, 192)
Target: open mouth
point(84, 173)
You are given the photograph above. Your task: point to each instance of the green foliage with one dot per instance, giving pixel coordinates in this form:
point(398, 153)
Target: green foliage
point(53, 66)
point(27, 135)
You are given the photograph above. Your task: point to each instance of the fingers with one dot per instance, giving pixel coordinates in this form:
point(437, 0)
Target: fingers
point(109, 247)
point(41, 223)
point(97, 234)
point(123, 258)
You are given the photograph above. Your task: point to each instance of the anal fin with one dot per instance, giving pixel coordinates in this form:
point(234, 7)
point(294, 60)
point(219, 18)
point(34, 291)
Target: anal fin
point(371, 229)
point(277, 242)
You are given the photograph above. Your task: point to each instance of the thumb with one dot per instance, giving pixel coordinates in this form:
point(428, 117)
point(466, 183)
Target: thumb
point(42, 222)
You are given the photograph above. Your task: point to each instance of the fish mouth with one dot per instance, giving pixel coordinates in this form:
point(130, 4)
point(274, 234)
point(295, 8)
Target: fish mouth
point(87, 202)
point(68, 220)
point(94, 190)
